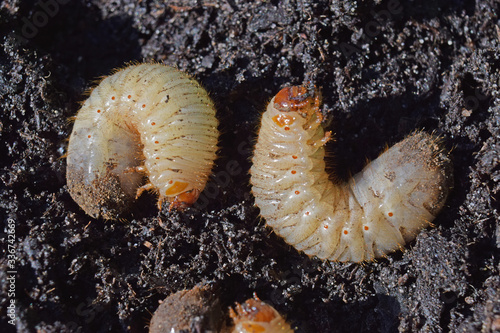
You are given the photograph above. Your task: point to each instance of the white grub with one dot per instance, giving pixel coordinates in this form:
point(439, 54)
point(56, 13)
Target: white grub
point(376, 212)
point(144, 121)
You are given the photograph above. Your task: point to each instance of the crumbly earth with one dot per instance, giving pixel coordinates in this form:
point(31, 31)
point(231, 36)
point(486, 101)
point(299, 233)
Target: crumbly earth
point(386, 68)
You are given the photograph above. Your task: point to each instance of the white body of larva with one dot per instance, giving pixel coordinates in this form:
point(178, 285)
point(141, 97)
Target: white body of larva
point(255, 316)
point(145, 120)
point(377, 211)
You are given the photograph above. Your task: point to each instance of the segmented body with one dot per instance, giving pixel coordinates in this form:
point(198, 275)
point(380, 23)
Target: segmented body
point(147, 120)
point(377, 211)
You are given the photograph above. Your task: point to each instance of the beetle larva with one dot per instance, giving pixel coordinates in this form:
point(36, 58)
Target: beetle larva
point(146, 120)
point(376, 212)
point(257, 316)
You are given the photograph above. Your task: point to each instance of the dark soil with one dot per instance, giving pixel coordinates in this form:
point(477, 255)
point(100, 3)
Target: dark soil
point(386, 68)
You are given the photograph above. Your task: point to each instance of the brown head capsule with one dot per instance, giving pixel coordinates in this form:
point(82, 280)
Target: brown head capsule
point(256, 316)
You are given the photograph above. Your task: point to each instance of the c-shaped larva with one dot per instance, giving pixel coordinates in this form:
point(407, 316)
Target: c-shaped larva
point(145, 120)
point(376, 212)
